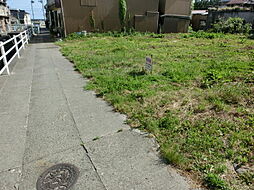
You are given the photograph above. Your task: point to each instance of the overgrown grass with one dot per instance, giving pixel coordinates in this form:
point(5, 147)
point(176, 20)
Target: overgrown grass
point(198, 102)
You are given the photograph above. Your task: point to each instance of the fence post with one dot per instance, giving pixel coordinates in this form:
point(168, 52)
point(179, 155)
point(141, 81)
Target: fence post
point(22, 39)
point(16, 45)
point(26, 34)
point(29, 33)
point(4, 58)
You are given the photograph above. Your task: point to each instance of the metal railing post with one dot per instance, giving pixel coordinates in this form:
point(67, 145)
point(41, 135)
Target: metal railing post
point(29, 33)
point(16, 45)
point(23, 43)
point(26, 34)
point(4, 58)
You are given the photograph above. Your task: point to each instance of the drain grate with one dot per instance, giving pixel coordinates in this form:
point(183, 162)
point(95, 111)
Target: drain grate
point(58, 177)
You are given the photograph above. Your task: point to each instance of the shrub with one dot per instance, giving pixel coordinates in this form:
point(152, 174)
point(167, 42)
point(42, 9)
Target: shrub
point(234, 25)
point(205, 4)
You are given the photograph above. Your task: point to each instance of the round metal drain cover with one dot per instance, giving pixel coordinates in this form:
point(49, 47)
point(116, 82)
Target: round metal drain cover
point(58, 177)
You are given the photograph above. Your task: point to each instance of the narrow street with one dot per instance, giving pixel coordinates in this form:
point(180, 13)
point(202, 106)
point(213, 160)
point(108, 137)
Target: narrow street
point(47, 118)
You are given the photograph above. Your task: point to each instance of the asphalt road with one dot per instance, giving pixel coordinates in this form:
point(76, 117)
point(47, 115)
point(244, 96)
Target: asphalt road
point(47, 118)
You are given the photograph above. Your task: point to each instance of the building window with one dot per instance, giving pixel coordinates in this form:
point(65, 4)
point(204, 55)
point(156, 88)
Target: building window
point(88, 3)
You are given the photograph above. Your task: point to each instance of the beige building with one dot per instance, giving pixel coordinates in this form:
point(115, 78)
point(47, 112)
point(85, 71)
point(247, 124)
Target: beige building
point(55, 17)
point(4, 17)
point(65, 16)
point(175, 15)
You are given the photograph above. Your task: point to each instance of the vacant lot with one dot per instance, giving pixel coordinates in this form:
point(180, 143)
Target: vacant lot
point(198, 102)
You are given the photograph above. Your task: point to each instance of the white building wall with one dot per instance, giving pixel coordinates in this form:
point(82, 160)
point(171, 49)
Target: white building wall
point(27, 20)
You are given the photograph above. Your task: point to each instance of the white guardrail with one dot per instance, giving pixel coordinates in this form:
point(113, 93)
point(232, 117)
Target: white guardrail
point(20, 41)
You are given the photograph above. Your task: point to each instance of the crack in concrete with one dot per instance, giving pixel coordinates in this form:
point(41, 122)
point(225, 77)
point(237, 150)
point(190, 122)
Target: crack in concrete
point(75, 124)
point(95, 169)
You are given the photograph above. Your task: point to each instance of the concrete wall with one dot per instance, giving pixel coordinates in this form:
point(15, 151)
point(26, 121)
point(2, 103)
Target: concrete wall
point(148, 22)
point(175, 24)
point(213, 16)
point(174, 15)
point(177, 7)
point(105, 14)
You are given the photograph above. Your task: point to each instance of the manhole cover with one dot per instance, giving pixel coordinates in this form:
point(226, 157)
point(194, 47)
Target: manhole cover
point(58, 177)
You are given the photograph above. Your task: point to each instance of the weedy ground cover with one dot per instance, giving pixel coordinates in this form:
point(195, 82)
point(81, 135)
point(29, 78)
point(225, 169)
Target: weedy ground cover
point(198, 102)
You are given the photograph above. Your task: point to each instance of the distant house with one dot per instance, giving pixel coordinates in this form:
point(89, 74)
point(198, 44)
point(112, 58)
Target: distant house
point(21, 17)
point(54, 16)
point(14, 20)
point(4, 17)
point(65, 16)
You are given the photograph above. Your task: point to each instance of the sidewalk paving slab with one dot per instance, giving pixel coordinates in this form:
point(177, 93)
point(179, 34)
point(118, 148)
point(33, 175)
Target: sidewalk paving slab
point(129, 160)
point(87, 179)
point(14, 104)
point(9, 180)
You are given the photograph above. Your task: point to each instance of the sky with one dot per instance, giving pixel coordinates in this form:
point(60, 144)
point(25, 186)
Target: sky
point(26, 5)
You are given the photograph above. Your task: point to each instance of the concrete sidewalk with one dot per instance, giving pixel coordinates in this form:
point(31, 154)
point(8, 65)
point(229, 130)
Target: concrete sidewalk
point(47, 118)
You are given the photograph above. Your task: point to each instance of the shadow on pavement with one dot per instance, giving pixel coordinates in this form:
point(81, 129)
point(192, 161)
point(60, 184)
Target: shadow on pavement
point(43, 37)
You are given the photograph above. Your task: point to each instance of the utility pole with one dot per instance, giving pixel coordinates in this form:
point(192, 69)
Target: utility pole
point(63, 17)
point(32, 8)
point(18, 11)
point(42, 6)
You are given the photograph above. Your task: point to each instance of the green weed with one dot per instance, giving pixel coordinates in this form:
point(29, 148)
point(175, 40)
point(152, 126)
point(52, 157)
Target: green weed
point(214, 182)
point(248, 178)
point(198, 102)
point(173, 156)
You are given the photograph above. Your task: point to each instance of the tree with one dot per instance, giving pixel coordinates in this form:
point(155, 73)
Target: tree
point(205, 4)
